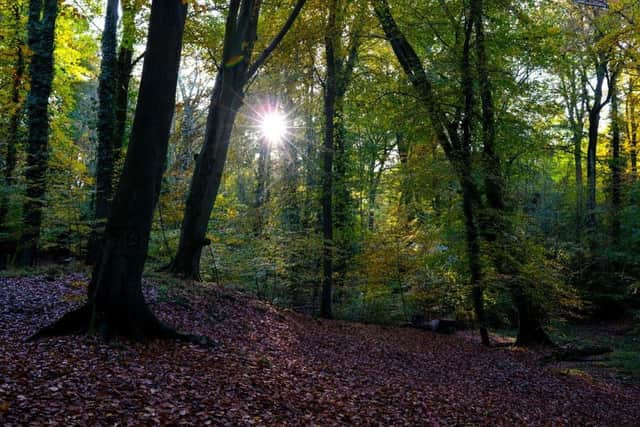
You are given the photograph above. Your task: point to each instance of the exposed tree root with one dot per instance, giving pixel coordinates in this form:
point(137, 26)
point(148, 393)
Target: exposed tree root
point(78, 322)
point(74, 322)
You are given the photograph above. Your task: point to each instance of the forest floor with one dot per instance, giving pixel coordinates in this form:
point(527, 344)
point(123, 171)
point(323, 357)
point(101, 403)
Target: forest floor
point(276, 367)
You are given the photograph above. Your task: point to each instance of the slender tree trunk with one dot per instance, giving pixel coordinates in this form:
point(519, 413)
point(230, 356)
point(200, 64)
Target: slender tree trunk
point(107, 100)
point(616, 161)
point(41, 32)
point(469, 194)
point(594, 123)
point(338, 77)
point(116, 305)
point(577, 158)
point(292, 211)
point(328, 157)
point(342, 198)
point(633, 124)
point(262, 192)
point(406, 192)
point(7, 243)
point(124, 69)
point(125, 65)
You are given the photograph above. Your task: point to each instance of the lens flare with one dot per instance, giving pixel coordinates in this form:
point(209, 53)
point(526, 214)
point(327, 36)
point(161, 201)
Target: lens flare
point(273, 126)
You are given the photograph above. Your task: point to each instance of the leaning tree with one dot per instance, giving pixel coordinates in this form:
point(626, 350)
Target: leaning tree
point(227, 98)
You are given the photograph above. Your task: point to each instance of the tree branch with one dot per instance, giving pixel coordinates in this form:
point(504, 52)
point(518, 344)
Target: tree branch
point(276, 40)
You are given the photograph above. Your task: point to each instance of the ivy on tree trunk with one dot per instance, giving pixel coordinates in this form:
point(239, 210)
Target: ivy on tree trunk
point(41, 32)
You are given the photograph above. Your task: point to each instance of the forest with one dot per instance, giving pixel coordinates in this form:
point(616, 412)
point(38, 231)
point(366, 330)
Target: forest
point(308, 212)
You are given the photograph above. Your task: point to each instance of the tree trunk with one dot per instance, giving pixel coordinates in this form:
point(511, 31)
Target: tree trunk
point(406, 191)
point(8, 242)
point(106, 128)
point(633, 124)
point(116, 305)
point(262, 192)
point(616, 164)
point(594, 123)
point(530, 328)
point(41, 32)
point(124, 70)
point(125, 66)
point(469, 192)
point(328, 156)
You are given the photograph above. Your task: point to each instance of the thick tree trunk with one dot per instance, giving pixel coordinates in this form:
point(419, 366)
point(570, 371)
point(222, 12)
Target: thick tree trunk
point(337, 79)
point(106, 128)
point(473, 253)
point(530, 330)
point(7, 242)
point(116, 305)
point(343, 220)
point(41, 31)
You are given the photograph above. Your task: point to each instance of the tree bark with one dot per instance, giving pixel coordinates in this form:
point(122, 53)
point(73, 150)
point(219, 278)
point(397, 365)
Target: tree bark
point(41, 32)
point(106, 128)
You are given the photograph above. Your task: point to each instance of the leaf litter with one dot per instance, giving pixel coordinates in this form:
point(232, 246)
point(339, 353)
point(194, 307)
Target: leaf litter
point(274, 367)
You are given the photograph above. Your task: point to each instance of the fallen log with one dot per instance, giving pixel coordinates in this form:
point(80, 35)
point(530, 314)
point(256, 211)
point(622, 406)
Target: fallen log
point(577, 354)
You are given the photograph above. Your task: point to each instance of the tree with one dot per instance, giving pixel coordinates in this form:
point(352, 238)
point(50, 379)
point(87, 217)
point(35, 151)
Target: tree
point(485, 215)
point(107, 103)
point(12, 134)
point(116, 305)
point(339, 70)
point(227, 97)
point(41, 28)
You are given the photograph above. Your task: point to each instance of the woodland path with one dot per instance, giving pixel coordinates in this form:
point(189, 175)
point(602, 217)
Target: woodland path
point(275, 367)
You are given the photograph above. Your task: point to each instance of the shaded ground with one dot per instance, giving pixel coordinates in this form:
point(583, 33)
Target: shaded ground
point(276, 368)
